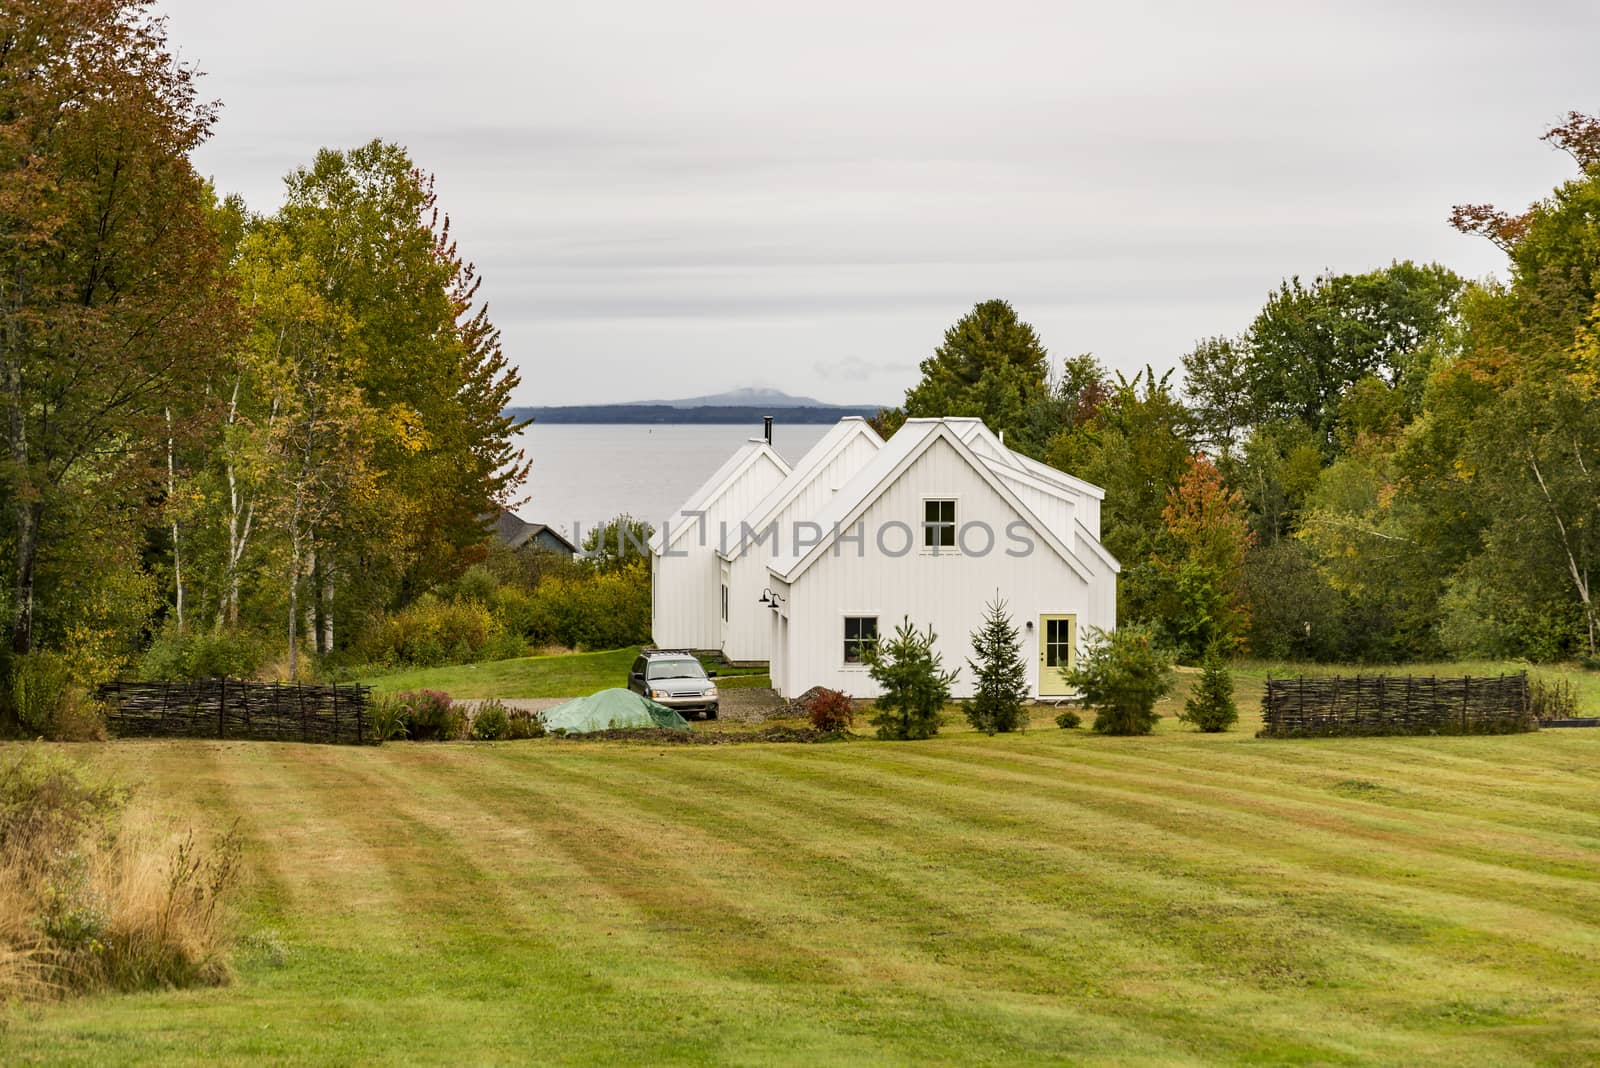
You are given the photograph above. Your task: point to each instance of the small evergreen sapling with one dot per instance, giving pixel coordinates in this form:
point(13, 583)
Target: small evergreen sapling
point(913, 683)
point(1210, 705)
point(1121, 676)
point(1000, 703)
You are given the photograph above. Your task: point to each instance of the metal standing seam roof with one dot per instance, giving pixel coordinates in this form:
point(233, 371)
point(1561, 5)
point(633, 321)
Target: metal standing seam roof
point(908, 442)
point(714, 487)
point(805, 469)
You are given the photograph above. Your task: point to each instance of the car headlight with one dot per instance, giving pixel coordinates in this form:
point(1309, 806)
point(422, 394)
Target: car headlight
point(712, 692)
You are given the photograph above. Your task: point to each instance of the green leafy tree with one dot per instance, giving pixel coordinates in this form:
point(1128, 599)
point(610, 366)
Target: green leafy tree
point(1209, 707)
point(1310, 343)
point(999, 703)
point(112, 300)
point(616, 543)
point(913, 685)
point(1136, 446)
point(1122, 675)
point(991, 365)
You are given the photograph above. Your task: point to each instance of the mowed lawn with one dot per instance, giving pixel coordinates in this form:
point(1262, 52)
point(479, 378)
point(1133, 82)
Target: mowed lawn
point(559, 675)
point(1048, 897)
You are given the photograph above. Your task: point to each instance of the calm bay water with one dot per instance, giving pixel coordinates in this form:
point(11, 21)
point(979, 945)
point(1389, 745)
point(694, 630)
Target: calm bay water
point(587, 473)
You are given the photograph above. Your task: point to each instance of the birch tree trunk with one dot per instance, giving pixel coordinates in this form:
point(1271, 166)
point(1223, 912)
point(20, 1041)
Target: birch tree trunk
point(177, 551)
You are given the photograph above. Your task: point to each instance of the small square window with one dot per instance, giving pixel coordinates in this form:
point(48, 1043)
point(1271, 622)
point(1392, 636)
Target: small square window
point(860, 634)
point(939, 524)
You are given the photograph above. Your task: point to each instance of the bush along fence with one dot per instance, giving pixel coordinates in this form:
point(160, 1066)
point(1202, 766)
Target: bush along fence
point(234, 708)
point(1395, 704)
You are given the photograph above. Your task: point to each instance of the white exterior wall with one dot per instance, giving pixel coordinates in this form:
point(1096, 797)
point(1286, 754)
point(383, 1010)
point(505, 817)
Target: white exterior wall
point(686, 593)
point(748, 635)
point(948, 590)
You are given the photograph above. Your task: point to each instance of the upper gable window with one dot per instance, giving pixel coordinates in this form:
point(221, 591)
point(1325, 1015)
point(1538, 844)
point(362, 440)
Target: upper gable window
point(939, 524)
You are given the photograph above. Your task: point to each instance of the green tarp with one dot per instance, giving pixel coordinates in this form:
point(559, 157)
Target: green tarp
point(611, 708)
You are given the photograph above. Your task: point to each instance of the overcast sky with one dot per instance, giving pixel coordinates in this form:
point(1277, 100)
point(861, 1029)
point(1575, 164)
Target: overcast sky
point(670, 199)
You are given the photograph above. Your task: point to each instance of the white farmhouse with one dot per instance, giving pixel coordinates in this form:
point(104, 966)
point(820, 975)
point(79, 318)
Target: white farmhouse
point(942, 519)
point(685, 572)
point(768, 531)
point(804, 568)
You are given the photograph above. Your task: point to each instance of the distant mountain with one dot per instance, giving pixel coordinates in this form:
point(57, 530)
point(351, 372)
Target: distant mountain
point(749, 397)
point(735, 406)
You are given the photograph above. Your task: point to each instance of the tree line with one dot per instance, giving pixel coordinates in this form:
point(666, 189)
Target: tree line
point(215, 418)
point(1394, 465)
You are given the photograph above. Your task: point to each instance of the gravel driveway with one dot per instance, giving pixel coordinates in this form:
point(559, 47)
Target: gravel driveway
point(742, 705)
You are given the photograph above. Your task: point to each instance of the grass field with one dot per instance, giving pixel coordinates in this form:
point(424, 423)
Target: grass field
point(1049, 897)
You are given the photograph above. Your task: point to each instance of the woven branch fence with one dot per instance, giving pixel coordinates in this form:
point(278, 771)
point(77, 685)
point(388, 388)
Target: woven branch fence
point(1308, 707)
point(234, 708)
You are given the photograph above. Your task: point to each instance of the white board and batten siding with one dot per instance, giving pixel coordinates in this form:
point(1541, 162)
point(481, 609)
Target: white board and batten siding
point(686, 572)
point(947, 589)
point(816, 477)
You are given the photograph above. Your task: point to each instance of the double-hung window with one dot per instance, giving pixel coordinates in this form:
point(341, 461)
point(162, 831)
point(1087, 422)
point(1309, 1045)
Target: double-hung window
point(860, 634)
point(938, 524)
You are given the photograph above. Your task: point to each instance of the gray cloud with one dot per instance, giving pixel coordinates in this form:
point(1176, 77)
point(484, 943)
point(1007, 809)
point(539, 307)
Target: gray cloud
point(673, 199)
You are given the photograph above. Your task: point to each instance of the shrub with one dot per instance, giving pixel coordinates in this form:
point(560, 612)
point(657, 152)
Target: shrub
point(1000, 703)
point(830, 711)
point(913, 683)
point(429, 632)
point(1210, 706)
point(39, 683)
point(491, 721)
point(1552, 700)
point(524, 724)
point(1067, 719)
point(1121, 676)
point(431, 716)
point(389, 713)
point(203, 654)
point(87, 904)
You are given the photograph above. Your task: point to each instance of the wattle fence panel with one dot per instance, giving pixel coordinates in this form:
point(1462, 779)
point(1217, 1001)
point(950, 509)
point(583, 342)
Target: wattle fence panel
point(235, 708)
point(1330, 705)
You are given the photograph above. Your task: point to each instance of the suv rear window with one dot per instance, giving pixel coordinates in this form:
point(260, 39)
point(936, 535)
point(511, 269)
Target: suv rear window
point(674, 668)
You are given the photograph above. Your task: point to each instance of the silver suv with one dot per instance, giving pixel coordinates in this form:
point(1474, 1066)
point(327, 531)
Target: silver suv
point(673, 677)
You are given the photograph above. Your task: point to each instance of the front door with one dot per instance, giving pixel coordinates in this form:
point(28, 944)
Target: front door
point(1058, 643)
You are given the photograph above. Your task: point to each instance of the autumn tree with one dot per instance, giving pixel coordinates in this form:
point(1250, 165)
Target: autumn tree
point(1200, 563)
point(112, 304)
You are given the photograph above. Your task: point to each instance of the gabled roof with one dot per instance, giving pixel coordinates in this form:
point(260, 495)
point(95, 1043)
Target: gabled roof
point(973, 432)
point(517, 532)
point(536, 529)
point(913, 439)
point(838, 437)
point(748, 455)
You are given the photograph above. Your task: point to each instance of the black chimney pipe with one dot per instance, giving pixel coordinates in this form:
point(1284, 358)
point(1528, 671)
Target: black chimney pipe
point(767, 428)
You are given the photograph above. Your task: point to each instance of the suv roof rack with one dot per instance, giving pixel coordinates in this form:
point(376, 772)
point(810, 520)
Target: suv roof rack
point(650, 650)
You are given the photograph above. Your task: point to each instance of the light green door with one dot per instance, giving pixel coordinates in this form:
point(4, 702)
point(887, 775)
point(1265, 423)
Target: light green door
point(1058, 643)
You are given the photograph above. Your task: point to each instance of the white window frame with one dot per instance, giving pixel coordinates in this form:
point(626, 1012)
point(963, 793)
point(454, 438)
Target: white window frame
point(954, 525)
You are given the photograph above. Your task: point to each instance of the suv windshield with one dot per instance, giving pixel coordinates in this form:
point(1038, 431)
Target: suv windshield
point(682, 668)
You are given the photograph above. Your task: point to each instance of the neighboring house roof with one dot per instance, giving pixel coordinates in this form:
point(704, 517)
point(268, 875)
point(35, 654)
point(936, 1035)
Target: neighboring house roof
point(517, 532)
point(914, 438)
point(840, 435)
point(752, 452)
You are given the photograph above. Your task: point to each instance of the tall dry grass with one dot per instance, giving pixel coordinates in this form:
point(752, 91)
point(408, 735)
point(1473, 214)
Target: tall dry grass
point(93, 897)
